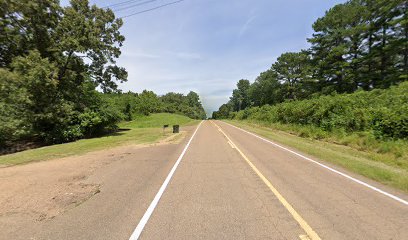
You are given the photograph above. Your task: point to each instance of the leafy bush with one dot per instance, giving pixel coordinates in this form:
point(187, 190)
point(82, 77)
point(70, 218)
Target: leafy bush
point(85, 124)
point(391, 122)
point(384, 112)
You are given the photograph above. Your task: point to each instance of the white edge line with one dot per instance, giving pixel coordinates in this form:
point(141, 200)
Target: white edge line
point(326, 167)
point(138, 231)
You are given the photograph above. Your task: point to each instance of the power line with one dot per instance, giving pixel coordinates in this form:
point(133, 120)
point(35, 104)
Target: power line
point(152, 9)
point(135, 5)
point(121, 3)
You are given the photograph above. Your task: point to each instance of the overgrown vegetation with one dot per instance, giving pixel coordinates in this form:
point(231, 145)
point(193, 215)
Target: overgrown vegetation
point(52, 60)
point(381, 113)
point(374, 121)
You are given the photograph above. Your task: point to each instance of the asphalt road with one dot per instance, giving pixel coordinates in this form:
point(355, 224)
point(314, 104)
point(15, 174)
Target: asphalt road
point(228, 185)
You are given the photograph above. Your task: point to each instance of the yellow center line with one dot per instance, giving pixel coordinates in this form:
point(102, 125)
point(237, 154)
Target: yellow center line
point(232, 146)
point(303, 224)
point(304, 237)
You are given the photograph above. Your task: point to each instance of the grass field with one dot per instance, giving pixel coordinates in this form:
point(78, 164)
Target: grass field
point(141, 130)
point(374, 165)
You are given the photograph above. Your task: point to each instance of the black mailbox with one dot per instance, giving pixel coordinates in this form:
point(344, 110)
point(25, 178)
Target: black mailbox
point(164, 127)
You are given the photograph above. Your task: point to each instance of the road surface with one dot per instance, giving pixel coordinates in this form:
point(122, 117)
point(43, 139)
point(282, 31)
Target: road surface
point(223, 183)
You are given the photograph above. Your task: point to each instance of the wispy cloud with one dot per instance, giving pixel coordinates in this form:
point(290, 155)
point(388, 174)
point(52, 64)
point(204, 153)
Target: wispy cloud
point(188, 56)
point(246, 25)
point(145, 55)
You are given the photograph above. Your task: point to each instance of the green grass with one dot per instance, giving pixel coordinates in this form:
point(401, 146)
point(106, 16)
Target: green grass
point(157, 121)
point(372, 164)
point(142, 130)
point(389, 151)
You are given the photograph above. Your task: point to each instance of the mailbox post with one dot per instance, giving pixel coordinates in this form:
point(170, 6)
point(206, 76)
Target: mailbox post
point(176, 128)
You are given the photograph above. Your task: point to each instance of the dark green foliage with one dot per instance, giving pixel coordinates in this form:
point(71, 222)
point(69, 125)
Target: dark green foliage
point(47, 89)
point(128, 112)
point(383, 112)
point(188, 105)
point(294, 73)
point(123, 103)
point(37, 109)
point(361, 43)
point(12, 108)
point(223, 112)
point(148, 102)
point(240, 96)
point(66, 36)
point(195, 109)
point(266, 89)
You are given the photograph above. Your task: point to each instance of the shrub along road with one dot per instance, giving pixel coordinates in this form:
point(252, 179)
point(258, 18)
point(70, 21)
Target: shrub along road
point(229, 184)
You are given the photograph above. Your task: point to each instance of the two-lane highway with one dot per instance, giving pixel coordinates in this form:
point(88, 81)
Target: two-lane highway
point(234, 185)
point(215, 195)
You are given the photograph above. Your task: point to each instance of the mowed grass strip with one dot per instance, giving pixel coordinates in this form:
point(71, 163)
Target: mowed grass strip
point(365, 163)
point(140, 131)
point(158, 120)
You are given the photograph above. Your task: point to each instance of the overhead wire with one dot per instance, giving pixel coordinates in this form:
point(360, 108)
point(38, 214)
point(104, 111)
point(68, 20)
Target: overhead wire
point(121, 3)
point(132, 6)
point(152, 9)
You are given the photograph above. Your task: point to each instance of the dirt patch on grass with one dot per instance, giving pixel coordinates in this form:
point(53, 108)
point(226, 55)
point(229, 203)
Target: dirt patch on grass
point(42, 190)
point(174, 138)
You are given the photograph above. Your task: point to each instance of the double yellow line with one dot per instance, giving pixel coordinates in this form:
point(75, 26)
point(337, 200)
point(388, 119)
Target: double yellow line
point(311, 234)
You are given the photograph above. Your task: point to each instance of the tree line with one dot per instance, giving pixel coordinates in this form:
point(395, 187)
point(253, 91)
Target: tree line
point(52, 60)
point(147, 102)
point(360, 44)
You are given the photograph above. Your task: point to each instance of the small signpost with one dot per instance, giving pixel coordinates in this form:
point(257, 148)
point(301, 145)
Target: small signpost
point(164, 128)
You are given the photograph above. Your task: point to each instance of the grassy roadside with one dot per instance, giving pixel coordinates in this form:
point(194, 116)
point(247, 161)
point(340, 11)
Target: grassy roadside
point(374, 165)
point(157, 120)
point(141, 131)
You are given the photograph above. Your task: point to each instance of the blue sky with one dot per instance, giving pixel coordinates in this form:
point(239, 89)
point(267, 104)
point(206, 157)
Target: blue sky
point(208, 45)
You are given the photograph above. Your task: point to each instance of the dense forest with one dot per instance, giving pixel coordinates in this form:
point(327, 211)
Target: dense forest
point(52, 60)
point(360, 45)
